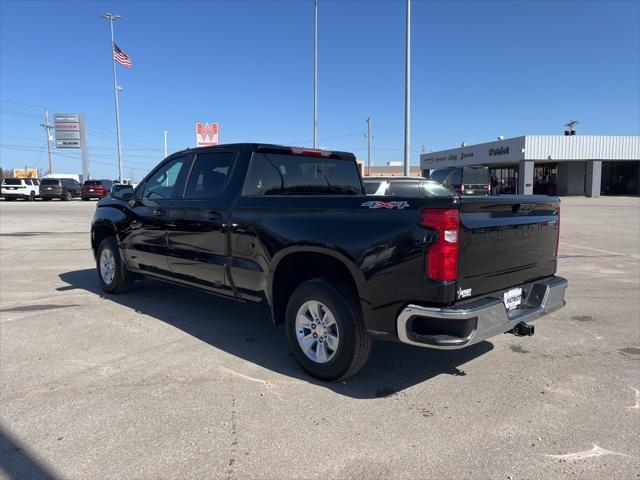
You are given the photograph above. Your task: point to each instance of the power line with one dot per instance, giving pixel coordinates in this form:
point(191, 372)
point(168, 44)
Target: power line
point(87, 10)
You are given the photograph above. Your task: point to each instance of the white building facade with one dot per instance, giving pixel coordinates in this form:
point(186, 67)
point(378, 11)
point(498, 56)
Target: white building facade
point(588, 165)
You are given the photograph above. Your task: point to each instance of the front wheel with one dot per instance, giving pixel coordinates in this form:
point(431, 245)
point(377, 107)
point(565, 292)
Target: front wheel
point(112, 273)
point(32, 196)
point(325, 330)
point(67, 196)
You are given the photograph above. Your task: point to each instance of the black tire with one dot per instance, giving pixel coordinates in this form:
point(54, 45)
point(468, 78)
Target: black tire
point(32, 196)
point(86, 199)
point(354, 342)
point(122, 279)
point(46, 199)
point(67, 197)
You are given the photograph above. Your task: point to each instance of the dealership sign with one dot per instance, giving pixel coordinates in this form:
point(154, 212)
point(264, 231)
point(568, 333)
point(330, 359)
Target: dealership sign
point(69, 129)
point(207, 134)
point(498, 151)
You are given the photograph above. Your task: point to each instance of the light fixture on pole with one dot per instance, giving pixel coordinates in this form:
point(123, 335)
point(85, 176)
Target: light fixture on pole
point(407, 93)
point(116, 88)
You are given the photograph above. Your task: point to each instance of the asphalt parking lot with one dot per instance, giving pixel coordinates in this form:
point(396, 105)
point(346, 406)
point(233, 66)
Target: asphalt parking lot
point(166, 382)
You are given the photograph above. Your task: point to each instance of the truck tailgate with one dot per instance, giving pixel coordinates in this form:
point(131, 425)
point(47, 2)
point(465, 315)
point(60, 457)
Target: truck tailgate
point(506, 241)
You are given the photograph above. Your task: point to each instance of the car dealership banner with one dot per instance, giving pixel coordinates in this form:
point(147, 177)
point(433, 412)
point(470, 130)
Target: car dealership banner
point(207, 134)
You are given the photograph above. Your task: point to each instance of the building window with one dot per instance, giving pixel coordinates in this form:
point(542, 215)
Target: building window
point(504, 180)
point(545, 179)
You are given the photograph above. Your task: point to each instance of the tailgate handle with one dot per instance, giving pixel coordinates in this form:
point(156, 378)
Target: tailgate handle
point(158, 212)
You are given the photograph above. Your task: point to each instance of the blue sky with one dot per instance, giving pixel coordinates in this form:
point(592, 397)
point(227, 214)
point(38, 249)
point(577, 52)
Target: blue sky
point(479, 69)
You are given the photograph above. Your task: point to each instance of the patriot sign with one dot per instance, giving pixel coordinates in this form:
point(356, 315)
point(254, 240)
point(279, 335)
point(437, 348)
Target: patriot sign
point(207, 134)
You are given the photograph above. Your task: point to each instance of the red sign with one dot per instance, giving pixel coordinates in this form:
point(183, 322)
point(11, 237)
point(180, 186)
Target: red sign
point(207, 134)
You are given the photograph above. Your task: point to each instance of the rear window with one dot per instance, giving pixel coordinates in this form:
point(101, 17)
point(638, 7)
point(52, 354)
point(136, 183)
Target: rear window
point(93, 182)
point(418, 189)
point(280, 174)
point(12, 181)
point(476, 175)
point(50, 181)
point(371, 187)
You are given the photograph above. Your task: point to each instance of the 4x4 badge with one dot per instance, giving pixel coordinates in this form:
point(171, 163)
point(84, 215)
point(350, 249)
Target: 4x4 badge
point(387, 205)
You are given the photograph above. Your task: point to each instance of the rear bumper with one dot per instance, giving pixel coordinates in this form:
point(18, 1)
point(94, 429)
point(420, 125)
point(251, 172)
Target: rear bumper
point(470, 322)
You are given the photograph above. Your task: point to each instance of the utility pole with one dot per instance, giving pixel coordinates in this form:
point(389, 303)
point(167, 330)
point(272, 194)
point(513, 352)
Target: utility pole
point(368, 146)
point(407, 93)
point(112, 18)
point(165, 144)
point(315, 74)
point(48, 127)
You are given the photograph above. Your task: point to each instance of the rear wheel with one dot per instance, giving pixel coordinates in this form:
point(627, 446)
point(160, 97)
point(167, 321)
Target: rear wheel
point(46, 199)
point(86, 198)
point(112, 273)
point(325, 330)
point(32, 196)
point(67, 196)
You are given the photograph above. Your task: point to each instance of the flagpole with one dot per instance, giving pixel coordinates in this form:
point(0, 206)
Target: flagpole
point(111, 19)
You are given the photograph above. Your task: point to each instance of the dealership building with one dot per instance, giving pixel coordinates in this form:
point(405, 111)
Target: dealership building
point(590, 165)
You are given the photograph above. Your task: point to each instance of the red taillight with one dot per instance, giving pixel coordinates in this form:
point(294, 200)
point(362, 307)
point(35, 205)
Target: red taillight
point(310, 152)
point(558, 237)
point(442, 258)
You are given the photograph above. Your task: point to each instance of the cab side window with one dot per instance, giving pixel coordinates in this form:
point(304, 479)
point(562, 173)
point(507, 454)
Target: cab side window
point(209, 174)
point(163, 182)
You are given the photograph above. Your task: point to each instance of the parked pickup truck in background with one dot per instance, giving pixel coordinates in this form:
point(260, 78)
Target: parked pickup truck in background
point(293, 228)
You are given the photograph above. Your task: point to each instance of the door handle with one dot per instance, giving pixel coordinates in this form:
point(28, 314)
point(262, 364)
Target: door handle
point(158, 212)
point(213, 215)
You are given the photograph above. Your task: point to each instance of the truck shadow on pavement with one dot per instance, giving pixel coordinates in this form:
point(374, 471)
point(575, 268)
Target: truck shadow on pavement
point(246, 331)
point(18, 462)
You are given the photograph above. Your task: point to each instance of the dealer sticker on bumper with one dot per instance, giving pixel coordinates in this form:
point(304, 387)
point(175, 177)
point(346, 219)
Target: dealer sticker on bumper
point(512, 298)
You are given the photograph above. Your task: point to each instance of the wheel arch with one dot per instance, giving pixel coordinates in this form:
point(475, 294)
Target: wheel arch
point(292, 267)
point(99, 231)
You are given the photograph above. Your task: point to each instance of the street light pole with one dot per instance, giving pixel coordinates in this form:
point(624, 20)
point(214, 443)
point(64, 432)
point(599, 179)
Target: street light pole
point(315, 74)
point(111, 19)
point(369, 146)
point(48, 127)
point(407, 93)
point(165, 144)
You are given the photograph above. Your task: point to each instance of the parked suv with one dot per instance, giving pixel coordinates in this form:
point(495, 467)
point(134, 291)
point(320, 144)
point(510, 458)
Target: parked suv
point(96, 189)
point(464, 180)
point(13, 188)
point(62, 188)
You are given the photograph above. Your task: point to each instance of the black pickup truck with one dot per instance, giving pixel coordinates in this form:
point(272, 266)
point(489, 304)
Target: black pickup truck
point(293, 228)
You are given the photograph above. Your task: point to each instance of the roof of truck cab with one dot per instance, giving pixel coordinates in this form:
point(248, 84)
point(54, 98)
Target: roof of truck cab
point(266, 146)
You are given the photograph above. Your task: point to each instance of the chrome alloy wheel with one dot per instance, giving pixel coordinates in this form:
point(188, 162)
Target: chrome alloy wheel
point(107, 266)
point(317, 331)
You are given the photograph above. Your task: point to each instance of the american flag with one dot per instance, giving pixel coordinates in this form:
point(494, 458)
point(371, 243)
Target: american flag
point(121, 57)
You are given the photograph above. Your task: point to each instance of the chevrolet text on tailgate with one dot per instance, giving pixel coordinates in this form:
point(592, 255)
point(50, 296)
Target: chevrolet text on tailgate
point(293, 228)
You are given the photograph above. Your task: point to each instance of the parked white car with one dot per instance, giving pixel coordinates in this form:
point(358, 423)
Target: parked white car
point(26, 188)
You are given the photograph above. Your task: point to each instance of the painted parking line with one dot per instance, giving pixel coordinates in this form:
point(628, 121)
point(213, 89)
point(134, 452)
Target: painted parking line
point(609, 252)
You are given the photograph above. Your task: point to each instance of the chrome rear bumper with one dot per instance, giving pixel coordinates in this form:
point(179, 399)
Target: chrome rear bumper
point(478, 319)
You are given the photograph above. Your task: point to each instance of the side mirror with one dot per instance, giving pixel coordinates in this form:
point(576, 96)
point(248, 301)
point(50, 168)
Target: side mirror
point(122, 192)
